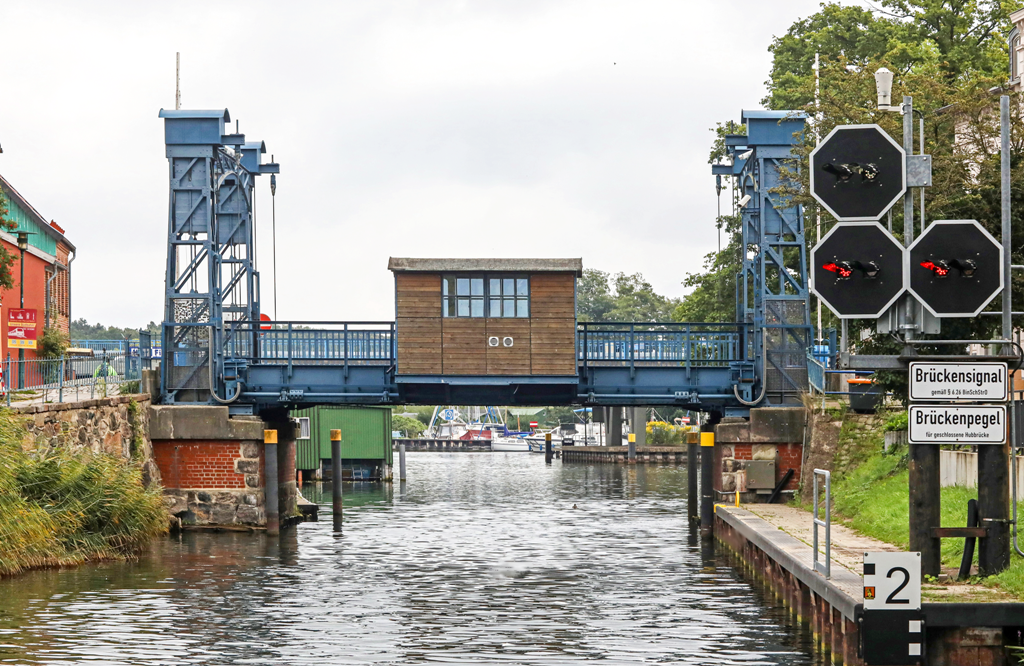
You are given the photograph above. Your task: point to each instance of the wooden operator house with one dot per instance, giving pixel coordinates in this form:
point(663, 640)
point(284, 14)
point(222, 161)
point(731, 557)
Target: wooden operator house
point(486, 316)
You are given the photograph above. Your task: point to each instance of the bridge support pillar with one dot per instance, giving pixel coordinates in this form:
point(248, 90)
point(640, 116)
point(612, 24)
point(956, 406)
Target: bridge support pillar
point(754, 455)
point(638, 425)
point(615, 426)
point(287, 489)
point(211, 464)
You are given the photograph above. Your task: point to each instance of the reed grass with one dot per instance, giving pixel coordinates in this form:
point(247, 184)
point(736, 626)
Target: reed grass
point(60, 507)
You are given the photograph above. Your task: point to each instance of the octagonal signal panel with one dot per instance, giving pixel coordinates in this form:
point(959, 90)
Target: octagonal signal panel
point(857, 270)
point(955, 268)
point(858, 172)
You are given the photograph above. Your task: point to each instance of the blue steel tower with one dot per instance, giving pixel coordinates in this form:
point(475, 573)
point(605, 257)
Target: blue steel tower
point(771, 287)
point(211, 296)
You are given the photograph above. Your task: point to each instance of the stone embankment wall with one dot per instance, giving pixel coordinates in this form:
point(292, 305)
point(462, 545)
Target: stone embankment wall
point(211, 465)
point(772, 433)
point(118, 426)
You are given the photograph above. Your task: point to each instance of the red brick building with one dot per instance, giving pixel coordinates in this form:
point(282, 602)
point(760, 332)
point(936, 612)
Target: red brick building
point(47, 268)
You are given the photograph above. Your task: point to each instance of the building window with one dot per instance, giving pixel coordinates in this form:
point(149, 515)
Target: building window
point(485, 296)
point(303, 428)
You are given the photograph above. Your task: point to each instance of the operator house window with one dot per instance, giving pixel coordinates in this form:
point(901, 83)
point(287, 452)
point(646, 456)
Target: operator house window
point(303, 427)
point(485, 296)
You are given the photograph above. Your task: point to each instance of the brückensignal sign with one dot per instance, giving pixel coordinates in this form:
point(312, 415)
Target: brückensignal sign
point(951, 424)
point(958, 382)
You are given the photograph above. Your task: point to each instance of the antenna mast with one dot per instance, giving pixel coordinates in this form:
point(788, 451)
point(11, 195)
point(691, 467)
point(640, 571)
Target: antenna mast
point(177, 81)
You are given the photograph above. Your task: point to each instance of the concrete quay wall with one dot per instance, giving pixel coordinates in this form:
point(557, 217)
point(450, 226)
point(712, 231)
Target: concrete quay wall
point(956, 633)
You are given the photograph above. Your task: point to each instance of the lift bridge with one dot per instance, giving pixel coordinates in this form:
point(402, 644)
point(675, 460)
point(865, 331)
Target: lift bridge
point(216, 349)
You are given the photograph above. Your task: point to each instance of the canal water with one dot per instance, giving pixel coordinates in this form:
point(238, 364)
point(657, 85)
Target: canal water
point(479, 558)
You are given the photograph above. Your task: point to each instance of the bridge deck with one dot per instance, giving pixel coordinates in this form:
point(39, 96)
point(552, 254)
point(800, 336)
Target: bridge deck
point(686, 364)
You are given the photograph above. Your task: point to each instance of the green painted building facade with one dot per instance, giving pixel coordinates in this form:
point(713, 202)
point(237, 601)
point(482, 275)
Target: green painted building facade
point(365, 440)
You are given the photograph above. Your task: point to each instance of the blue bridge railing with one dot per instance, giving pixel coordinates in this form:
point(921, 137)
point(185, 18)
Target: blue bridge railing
point(313, 342)
point(691, 344)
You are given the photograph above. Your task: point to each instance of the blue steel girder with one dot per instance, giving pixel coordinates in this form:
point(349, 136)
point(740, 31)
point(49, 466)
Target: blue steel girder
point(211, 282)
point(774, 274)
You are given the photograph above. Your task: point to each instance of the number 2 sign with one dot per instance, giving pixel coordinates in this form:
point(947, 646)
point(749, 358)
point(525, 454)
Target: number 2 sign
point(892, 581)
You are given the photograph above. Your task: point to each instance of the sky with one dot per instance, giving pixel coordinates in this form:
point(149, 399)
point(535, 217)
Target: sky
point(447, 128)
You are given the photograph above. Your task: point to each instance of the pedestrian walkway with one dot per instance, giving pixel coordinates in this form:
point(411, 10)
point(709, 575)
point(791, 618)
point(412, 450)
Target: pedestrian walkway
point(848, 548)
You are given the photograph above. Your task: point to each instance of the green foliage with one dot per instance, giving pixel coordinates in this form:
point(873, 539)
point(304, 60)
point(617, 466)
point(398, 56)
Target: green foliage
point(898, 422)
point(713, 295)
point(61, 508)
point(411, 427)
point(6, 258)
point(83, 330)
point(955, 40)
point(52, 344)
point(601, 297)
point(660, 433)
point(128, 388)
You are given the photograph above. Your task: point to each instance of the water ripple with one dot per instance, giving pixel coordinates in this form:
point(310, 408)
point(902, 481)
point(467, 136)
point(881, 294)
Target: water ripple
point(480, 558)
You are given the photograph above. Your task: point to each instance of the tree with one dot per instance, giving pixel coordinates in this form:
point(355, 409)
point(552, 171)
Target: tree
point(600, 297)
point(593, 296)
point(6, 258)
point(713, 298)
point(961, 38)
point(410, 426)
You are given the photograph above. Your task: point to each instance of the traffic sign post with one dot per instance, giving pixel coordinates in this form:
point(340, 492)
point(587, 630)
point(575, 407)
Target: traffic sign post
point(955, 268)
point(857, 270)
point(965, 421)
point(858, 172)
point(892, 626)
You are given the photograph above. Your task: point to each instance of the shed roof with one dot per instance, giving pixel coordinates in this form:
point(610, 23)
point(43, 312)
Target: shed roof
point(468, 265)
point(33, 214)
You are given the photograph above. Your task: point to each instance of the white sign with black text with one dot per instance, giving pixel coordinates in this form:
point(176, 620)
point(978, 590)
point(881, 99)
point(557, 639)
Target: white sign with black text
point(957, 424)
point(892, 581)
point(958, 382)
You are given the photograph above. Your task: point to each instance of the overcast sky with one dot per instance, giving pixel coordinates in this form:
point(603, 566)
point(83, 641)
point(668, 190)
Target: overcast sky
point(448, 128)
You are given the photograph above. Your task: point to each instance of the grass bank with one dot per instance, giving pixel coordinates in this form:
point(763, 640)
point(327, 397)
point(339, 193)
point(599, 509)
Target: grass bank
point(870, 491)
point(61, 509)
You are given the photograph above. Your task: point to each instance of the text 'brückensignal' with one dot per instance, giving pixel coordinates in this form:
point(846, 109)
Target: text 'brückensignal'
point(976, 377)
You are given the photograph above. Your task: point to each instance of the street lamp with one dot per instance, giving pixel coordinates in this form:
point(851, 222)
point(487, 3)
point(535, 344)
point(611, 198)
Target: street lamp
point(22, 246)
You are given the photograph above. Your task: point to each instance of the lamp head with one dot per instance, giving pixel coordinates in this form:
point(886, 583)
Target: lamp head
point(883, 86)
point(22, 240)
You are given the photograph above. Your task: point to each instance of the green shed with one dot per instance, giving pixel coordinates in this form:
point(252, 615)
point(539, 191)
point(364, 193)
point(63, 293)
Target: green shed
point(365, 439)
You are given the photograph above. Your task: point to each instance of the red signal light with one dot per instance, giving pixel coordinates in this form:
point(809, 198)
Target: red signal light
point(843, 269)
point(939, 269)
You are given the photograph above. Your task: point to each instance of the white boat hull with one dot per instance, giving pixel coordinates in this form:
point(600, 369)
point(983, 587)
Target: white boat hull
point(510, 445)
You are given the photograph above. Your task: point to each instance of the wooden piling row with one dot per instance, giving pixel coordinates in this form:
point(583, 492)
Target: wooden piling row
point(620, 454)
point(442, 445)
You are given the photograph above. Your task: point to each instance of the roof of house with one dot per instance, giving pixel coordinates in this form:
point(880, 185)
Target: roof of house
point(473, 265)
point(30, 210)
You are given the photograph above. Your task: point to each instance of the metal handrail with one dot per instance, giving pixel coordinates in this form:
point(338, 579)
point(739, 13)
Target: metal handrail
point(825, 568)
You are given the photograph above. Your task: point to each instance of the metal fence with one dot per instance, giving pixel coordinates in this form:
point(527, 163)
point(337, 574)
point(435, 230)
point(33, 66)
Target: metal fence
point(697, 345)
point(68, 377)
point(815, 373)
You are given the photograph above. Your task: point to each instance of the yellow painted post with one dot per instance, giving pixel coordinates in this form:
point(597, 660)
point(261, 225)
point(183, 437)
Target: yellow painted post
point(631, 455)
point(270, 482)
point(707, 491)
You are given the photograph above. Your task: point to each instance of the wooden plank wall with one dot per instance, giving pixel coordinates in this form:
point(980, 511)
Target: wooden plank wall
point(553, 324)
point(418, 323)
point(429, 344)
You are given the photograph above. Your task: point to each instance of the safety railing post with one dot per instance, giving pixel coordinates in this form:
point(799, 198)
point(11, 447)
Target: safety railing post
point(825, 568)
point(688, 349)
point(632, 364)
point(345, 350)
point(7, 378)
point(60, 384)
point(289, 349)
